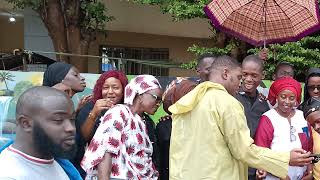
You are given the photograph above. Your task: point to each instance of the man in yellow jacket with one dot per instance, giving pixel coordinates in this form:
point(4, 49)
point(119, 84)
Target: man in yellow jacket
point(210, 138)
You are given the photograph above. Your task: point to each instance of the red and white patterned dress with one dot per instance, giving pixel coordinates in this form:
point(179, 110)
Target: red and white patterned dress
point(124, 136)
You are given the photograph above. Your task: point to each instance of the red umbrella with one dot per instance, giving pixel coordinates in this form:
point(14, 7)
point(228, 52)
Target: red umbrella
point(265, 21)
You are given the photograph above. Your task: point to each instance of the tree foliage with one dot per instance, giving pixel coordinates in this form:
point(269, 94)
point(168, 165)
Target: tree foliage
point(6, 76)
point(91, 14)
point(302, 54)
point(179, 9)
point(72, 24)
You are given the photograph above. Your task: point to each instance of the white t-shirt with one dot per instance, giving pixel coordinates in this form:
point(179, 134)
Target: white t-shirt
point(16, 165)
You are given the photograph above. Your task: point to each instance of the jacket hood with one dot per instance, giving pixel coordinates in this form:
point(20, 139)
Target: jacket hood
point(190, 100)
point(311, 72)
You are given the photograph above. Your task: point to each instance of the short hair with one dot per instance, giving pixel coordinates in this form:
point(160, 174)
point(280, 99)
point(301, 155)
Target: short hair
point(255, 59)
point(225, 61)
point(33, 98)
point(283, 63)
point(203, 56)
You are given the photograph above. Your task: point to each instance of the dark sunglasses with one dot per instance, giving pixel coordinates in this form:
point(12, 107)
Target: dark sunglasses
point(157, 98)
point(313, 87)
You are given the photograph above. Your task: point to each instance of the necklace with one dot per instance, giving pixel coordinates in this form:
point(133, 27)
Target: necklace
point(291, 113)
point(292, 128)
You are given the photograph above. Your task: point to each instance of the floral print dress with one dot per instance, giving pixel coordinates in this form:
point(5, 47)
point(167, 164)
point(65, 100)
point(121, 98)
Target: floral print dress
point(124, 136)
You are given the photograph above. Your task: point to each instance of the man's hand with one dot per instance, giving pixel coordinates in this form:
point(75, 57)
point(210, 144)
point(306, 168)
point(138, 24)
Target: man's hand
point(166, 117)
point(263, 54)
point(299, 157)
point(287, 178)
point(261, 174)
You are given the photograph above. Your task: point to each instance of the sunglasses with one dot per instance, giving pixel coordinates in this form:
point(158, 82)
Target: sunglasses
point(314, 87)
point(157, 98)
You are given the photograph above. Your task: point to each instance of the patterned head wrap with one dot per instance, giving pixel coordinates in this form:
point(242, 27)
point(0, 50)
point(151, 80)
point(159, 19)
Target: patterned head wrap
point(285, 83)
point(176, 90)
point(139, 85)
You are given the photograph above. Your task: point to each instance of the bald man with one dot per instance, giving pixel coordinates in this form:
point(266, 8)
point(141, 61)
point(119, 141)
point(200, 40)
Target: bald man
point(45, 131)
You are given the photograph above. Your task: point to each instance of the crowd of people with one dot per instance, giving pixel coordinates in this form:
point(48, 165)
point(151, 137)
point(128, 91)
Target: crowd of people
point(225, 125)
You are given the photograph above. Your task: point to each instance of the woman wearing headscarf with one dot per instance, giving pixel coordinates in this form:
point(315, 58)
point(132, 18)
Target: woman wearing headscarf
point(311, 112)
point(108, 91)
point(60, 73)
point(284, 128)
point(67, 78)
point(312, 86)
point(121, 148)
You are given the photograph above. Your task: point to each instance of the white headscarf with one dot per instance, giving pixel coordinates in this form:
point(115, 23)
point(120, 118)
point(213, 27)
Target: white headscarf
point(139, 85)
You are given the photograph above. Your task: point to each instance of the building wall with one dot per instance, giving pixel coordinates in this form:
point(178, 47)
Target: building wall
point(133, 17)
point(135, 26)
point(36, 36)
point(177, 46)
point(11, 36)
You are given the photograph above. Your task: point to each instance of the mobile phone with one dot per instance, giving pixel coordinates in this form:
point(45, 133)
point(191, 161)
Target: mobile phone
point(316, 158)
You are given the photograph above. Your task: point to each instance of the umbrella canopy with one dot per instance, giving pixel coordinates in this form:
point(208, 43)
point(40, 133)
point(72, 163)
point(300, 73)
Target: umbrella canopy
point(265, 21)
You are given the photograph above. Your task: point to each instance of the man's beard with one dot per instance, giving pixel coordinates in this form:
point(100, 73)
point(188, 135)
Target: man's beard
point(45, 145)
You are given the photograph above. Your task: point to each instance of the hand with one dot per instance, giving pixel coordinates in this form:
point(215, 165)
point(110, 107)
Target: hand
point(299, 157)
point(308, 173)
point(260, 174)
point(287, 178)
point(263, 54)
point(307, 176)
point(102, 104)
point(166, 117)
point(84, 101)
point(65, 88)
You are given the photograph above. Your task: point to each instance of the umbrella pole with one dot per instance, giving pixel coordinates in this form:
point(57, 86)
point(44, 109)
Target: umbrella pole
point(265, 23)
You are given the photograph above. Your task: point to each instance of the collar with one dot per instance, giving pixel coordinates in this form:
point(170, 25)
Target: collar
point(30, 158)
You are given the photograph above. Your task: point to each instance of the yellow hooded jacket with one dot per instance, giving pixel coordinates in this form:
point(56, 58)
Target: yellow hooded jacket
point(211, 140)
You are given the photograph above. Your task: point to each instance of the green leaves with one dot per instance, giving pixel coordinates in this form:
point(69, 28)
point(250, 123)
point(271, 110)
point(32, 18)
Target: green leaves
point(21, 4)
point(6, 76)
point(202, 50)
point(302, 54)
point(179, 9)
point(94, 15)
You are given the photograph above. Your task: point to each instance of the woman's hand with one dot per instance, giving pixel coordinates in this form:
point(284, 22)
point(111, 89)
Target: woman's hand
point(100, 105)
point(84, 100)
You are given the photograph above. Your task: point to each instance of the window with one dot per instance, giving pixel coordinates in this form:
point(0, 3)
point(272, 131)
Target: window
point(135, 60)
